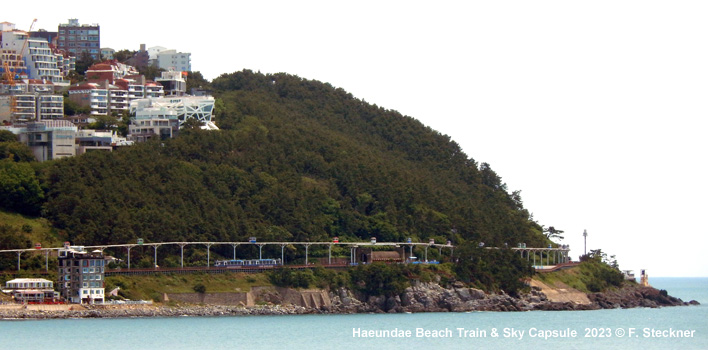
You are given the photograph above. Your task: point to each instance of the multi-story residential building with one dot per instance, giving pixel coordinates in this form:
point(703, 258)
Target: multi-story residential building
point(48, 139)
point(153, 122)
point(28, 100)
point(179, 61)
point(173, 82)
point(65, 63)
point(31, 107)
point(40, 60)
point(50, 37)
point(92, 95)
point(107, 53)
point(88, 140)
point(25, 107)
point(110, 70)
point(153, 52)
point(185, 107)
point(50, 107)
point(154, 90)
point(15, 64)
point(75, 38)
point(81, 275)
point(105, 98)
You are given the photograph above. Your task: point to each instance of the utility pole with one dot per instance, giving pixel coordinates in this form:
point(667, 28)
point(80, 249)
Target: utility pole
point(585, 238)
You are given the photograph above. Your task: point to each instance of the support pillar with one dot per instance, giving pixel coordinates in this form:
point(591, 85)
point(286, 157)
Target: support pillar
point(208, 245)
point(46, 260)
point(129, 248)
point(18, 260)
point(260, 251)
point(426, 253)
point(307, 247)
point(235, 245)
point(329, 258)
point(282, 254)
point(181, 254)
point(155, 259)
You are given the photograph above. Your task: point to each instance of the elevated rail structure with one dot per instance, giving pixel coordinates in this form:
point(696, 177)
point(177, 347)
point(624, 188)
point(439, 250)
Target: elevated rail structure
point(552, 255)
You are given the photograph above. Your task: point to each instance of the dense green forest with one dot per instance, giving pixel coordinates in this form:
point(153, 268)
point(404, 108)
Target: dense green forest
point(295, 160)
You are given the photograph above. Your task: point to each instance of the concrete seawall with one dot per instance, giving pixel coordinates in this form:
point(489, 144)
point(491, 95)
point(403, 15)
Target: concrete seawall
point(308, 298)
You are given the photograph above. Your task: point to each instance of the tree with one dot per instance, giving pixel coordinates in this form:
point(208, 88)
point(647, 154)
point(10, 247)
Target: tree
point(104, 122)
point(552, 232)
point(150, 72)
point(16, 151)
point(123, 55)
point(7, 136)
point(83, 63)
point(492, 269)
point(19, 188)
point(195, 80)
point(72, 108)
point(192, 124)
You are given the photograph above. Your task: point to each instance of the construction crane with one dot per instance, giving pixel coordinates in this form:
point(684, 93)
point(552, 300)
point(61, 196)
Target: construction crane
point(29, 32)
point(9, 76)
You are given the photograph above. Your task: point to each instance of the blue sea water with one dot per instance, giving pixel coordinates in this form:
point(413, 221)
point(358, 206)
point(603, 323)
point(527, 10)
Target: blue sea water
point(601, 329)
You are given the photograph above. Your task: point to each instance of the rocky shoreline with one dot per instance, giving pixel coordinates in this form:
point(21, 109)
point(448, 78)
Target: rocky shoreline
point(422, 297)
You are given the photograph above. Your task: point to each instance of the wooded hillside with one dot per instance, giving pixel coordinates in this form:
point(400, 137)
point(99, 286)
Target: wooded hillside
point(295, 160)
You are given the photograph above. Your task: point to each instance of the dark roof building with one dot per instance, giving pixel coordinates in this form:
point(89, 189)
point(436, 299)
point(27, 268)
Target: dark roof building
point(75, 38)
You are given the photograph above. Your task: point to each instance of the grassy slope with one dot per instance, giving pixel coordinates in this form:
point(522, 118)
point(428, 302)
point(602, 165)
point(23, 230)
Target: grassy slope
point(152, 287)
point(42, 230)
point(582, 278)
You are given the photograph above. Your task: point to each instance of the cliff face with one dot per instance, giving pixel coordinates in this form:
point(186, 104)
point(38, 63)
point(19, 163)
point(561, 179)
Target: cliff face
point(421, 297)
point(431, 297)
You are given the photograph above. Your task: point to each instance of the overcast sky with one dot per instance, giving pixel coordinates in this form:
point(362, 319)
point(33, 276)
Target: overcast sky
point(595, 110)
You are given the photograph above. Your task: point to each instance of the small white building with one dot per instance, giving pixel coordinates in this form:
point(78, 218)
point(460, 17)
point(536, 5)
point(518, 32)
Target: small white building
point(31, 290)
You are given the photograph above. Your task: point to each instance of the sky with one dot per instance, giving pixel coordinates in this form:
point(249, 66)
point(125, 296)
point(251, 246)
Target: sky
point(595, 110)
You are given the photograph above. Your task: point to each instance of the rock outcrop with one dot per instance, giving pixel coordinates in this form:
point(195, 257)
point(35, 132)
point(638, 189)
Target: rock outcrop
point(420, 297)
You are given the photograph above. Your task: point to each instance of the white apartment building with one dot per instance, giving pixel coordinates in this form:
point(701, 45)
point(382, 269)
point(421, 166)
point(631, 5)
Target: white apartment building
point(41, 62)
point(185, 107)
point(171, 59)
point(104, 98)
point(153, 122)
point(28, 100)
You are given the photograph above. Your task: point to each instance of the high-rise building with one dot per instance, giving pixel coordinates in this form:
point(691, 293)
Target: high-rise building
point(75, 38)
point(40, 61)
point(81, 275)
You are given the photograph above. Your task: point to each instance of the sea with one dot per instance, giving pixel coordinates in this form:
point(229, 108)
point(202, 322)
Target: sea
point(683, 327)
